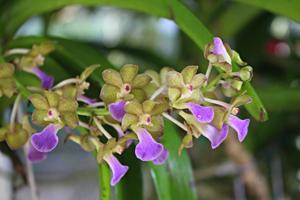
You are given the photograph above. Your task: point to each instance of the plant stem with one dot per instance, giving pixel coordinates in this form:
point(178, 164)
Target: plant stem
point(14, 112)
point(157, 92)
point(66, 82)
point(101, 128)
point(86, 111)
point(16, 51)
point(175, 121)
point(208, 71)
point(30, 176)
point(217, 102)
point(104, 181)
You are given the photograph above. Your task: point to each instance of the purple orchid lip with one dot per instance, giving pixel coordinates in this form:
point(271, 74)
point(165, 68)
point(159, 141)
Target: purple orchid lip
point(203, 114)
point(47, 81)
point(239, 125)
point(118, 170)
point(35, 155)
point(46, 140)
point(117, 110)
point(86, 100)
point(219, 49)
point(215, 136)
point(147, 149)
point(161, 159)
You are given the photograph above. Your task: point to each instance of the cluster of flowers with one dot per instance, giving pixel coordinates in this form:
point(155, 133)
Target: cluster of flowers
point(136, 105)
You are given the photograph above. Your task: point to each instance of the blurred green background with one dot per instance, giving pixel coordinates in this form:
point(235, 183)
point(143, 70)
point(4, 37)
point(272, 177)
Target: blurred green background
point(113, 33)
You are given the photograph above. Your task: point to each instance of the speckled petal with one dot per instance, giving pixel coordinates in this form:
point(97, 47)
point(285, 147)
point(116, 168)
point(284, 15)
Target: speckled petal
point(46, 140)
point(203, 114)
point(47, 81)
point(239, 125)
point(35, 155)
point(147, 149)
point(215, 136)
point(161, 158)
point(118, 170)
point(219, 49)
point(117, 110)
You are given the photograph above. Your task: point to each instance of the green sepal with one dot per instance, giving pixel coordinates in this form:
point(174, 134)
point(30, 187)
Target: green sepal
point(39, 102)
point(70, 119)
point(39, 116)
point(6, 70)
point(112, 77)
point(109, 93)
point(52, 98)
point(175, 79)
point(134, 107)
point(141, 81)
point(128, 72)
point(188, 73)
point(88, 71)
point(128, 120)
point(67, 105)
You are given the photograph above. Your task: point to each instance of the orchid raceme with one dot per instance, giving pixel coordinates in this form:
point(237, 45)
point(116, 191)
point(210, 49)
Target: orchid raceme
point(133, 104)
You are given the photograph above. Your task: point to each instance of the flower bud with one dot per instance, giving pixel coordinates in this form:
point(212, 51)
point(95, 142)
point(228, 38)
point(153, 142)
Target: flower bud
point(3, 133)
point(17, 138)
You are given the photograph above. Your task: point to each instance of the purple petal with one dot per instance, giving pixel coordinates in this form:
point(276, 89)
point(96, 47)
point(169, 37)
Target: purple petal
point(35, 155)
point(118, 170)
point(86, 99)
point(239, 125)
point(147, 149)
point(47, 81)
point(203, 114)
point(46, 140)
point(215, 136)
point(161, 158)
point(219, 49)
point(117, 110)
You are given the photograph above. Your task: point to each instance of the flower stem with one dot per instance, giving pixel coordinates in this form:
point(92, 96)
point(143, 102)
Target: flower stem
point(175, 121)
point(208, 71)
point(97, 104)
point(86, 111)
point(104, 181)
point(66, 82)
point(30, 176)
point(101, 128)
point(157, 92)
point(16, 51)
point(217, 102)
point(14, 112)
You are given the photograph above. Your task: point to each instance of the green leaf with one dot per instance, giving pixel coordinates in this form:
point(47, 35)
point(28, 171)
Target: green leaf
point(288, 8)
point(20, 11)
point(241, 14)
point(174, 180)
